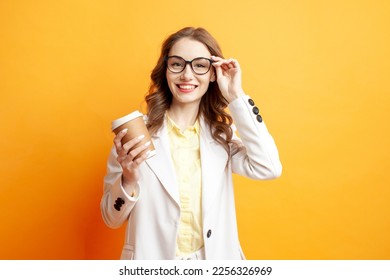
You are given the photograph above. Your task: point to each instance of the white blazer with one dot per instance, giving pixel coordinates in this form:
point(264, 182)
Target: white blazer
point(153, 215)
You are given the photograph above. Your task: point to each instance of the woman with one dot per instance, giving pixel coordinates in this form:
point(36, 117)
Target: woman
point(179, 204)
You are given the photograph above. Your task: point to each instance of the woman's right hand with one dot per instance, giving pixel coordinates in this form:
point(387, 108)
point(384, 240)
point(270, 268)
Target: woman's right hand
point(128, 160)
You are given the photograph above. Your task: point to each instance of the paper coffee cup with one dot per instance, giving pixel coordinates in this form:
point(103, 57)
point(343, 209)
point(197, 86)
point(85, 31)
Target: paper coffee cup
point(134, 122)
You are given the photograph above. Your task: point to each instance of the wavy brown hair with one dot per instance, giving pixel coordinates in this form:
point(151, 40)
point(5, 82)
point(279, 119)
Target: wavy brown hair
point(212, 105)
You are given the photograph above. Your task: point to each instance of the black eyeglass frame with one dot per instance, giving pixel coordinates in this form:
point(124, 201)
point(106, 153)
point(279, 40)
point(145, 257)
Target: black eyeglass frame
point(188, 62)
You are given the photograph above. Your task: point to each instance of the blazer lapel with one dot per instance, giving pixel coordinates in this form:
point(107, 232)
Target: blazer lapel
point(162, 166)
point(214, 161)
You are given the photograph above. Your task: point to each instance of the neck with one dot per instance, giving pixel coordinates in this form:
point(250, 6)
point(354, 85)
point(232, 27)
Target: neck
point(183, 116)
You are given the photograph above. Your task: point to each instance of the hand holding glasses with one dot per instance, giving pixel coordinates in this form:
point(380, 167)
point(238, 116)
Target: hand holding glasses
point(228, 72)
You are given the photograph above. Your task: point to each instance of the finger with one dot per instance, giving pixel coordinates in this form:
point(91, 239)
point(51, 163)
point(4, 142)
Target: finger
point(218, 70)
point(131, 163)
point(140, 160)
point(225, 67)
point(118, 139)
point(236, 64)
point(216, 58)
point(130, 144)
point(230, 63)
point(220, 63)
point(217, 64)
point(226, 64)
point(137, 151)
point(134, 164)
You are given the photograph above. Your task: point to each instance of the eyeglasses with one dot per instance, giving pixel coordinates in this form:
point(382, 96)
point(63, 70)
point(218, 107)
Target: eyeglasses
point(199, 65)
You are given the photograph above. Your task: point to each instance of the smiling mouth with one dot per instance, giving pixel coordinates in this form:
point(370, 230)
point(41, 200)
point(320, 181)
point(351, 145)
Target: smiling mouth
point(187, 87)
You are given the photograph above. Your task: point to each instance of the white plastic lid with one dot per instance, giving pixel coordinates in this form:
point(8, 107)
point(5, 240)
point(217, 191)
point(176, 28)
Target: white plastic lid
point(118, 122)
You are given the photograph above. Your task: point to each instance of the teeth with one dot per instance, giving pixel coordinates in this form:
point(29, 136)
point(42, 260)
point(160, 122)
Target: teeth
point(187, 87)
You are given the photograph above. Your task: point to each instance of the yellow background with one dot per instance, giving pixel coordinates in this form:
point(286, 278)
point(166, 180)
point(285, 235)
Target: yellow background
point(319, 71)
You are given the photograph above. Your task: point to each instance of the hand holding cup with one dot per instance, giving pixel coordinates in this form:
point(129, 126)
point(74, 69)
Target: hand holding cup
point(133, 145)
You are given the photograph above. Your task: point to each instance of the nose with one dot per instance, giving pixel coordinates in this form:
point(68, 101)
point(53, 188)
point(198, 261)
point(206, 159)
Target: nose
point(187, 72)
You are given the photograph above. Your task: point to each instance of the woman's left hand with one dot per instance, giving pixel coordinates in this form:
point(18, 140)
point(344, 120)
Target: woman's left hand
point(228, 73)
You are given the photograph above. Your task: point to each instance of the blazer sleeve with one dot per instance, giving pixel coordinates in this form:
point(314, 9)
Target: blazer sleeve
point(116, 204)
point(253, 154)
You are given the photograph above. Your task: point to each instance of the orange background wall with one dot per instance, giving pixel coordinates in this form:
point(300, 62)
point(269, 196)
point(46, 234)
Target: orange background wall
point(319, 71)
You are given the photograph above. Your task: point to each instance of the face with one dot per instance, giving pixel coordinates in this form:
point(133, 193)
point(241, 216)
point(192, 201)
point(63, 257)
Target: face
point(188, 87)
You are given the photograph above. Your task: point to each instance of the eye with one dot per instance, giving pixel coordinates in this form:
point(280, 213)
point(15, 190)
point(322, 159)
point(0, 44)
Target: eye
point(199, 65)
point(176, 64)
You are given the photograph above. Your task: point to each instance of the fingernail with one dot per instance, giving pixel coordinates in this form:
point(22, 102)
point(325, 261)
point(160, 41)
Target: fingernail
point(141, 137)
point(125, 130)
point(147, 144)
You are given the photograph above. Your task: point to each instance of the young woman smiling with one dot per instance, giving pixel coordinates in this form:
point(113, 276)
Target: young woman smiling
point(179, 204)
